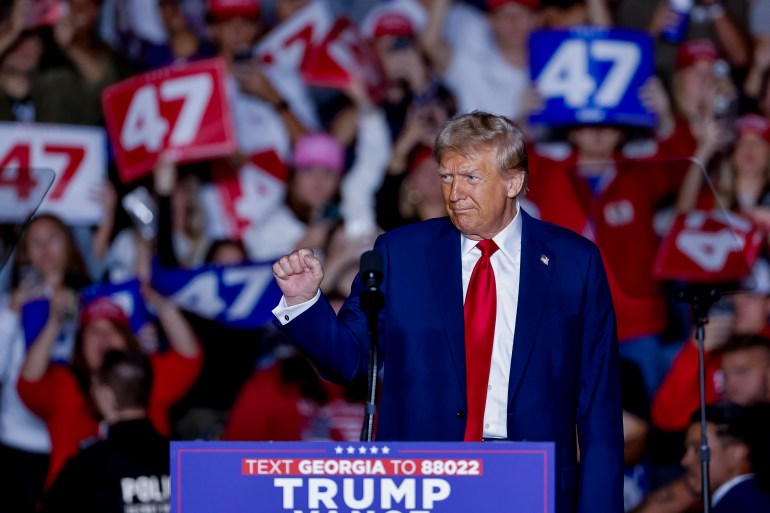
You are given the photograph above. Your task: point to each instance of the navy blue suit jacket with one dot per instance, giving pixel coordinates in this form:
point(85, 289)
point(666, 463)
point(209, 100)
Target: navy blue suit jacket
point(564, 373)
point(745, 497)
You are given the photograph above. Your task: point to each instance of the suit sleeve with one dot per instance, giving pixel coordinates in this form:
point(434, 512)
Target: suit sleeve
point(338, 346)
point(599, 416)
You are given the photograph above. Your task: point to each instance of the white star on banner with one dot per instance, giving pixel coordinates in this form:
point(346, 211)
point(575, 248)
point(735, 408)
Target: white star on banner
point(362, 450)
point(338, 450)
point(386, 450)
point(374, 450)
point(351, 449)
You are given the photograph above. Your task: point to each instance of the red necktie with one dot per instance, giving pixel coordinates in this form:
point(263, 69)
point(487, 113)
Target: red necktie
point(480, 311)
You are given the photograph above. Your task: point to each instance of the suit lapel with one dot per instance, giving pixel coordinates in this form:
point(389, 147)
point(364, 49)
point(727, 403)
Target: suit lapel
point(446, 274)
point(536, 268)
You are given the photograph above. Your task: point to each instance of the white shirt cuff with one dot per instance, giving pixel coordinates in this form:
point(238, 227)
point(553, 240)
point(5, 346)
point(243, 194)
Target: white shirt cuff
point(285, 313)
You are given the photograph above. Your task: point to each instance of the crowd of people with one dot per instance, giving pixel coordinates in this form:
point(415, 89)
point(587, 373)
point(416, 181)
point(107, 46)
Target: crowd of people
point(331, 169)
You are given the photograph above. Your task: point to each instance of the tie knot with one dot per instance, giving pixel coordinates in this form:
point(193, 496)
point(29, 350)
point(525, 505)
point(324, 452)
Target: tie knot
point(487, 247)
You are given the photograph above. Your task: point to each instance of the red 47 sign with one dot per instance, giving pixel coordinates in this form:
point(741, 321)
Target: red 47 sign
point(181, 107)
point(708, 247)
point(75, 155)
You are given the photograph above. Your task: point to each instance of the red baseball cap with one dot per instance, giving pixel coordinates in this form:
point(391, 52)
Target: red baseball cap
point(393, 24)
point(754, 123)
point(234, 8)
point(494, 4)
point(404, 19)
point(695, 50)
point(104, 308)
point(419, 155)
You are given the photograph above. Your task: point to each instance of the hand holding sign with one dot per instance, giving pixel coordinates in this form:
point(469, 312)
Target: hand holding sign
point(180, 107)
point(591, 75)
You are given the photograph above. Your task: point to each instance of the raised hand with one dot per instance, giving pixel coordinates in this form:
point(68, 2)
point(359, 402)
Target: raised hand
point(299, 276)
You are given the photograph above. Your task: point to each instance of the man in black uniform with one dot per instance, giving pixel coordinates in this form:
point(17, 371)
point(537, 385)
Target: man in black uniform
point(128, 472)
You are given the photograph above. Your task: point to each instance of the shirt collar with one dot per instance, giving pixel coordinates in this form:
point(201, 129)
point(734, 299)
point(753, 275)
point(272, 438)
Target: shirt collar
point(508, 240)
point(720, 492)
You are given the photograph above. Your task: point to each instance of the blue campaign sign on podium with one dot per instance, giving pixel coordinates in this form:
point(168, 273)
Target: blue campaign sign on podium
point(365, 477)
point(591, 75)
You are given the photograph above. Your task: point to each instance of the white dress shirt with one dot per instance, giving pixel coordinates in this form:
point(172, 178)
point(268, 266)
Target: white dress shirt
point(506, 263)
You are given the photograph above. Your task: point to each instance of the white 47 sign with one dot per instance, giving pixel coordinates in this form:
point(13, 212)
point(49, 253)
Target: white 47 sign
point(567, 74)
point(591, 75)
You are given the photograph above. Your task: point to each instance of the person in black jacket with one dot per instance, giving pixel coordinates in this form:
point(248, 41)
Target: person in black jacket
point(128, 472)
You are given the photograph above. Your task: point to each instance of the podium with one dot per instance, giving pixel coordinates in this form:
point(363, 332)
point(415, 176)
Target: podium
point(365, 477)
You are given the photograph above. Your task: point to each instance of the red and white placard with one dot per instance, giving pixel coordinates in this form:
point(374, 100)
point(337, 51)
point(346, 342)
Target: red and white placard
point(708, 247)
point(287, 43)
point(182, 107)
point(76, 155)
point(238, 200)
point(344, 55)
point(328, 51)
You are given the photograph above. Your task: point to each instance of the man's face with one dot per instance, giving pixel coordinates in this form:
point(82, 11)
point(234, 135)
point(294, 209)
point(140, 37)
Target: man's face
point(480, 202)
point(747, 376)
point(750, 313)
point(598, 142)
point(723, 464)
point(234, 34)
point(512, 24)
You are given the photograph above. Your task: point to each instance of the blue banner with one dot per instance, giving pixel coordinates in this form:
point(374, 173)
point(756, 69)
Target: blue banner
point(591, 75)
point(241, 296)
point(34, 314)
point(326, 477)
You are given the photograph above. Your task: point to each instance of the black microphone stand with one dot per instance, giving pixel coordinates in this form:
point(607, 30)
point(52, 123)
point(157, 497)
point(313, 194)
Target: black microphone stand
point(372, 302)
point(701, 297)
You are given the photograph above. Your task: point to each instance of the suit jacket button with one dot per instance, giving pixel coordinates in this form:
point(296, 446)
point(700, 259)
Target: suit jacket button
point(460, 414)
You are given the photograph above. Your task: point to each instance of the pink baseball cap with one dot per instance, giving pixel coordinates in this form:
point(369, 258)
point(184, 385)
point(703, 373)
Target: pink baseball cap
point(319, 149)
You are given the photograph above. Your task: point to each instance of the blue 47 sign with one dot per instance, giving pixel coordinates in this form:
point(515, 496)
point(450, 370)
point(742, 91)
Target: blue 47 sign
point(590, 75)
point(326, 477)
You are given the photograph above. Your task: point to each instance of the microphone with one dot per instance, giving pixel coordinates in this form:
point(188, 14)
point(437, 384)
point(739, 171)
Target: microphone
point(371, 276)
point(372, 301)
point(371, 270)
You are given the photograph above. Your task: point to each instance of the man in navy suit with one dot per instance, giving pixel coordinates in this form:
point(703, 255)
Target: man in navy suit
point(545, 355)
point(737, 436)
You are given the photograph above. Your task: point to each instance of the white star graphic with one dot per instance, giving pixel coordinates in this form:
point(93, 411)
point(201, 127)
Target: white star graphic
point(351, 449)
point(338, 450)
point(374, 450)
point(362, 450)
point(385, 450)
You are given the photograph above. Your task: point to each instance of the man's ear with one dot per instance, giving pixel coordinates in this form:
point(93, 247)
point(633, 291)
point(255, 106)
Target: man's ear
point(105, 401)
point(516, 183)
point(739, 456)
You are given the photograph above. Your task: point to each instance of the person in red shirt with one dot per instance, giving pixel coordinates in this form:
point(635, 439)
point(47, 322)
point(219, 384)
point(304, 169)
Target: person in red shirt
point(612, 200)
point(742, 315)
point(60, 395)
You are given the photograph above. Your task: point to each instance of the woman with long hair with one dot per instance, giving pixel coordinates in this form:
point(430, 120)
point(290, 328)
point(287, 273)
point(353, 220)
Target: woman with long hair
point(47, 263)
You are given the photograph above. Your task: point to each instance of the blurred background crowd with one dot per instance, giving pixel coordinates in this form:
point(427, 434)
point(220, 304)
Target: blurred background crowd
point(334, 168)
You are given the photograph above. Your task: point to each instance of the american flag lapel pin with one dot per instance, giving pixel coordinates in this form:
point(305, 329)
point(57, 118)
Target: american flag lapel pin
point(544, 259)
